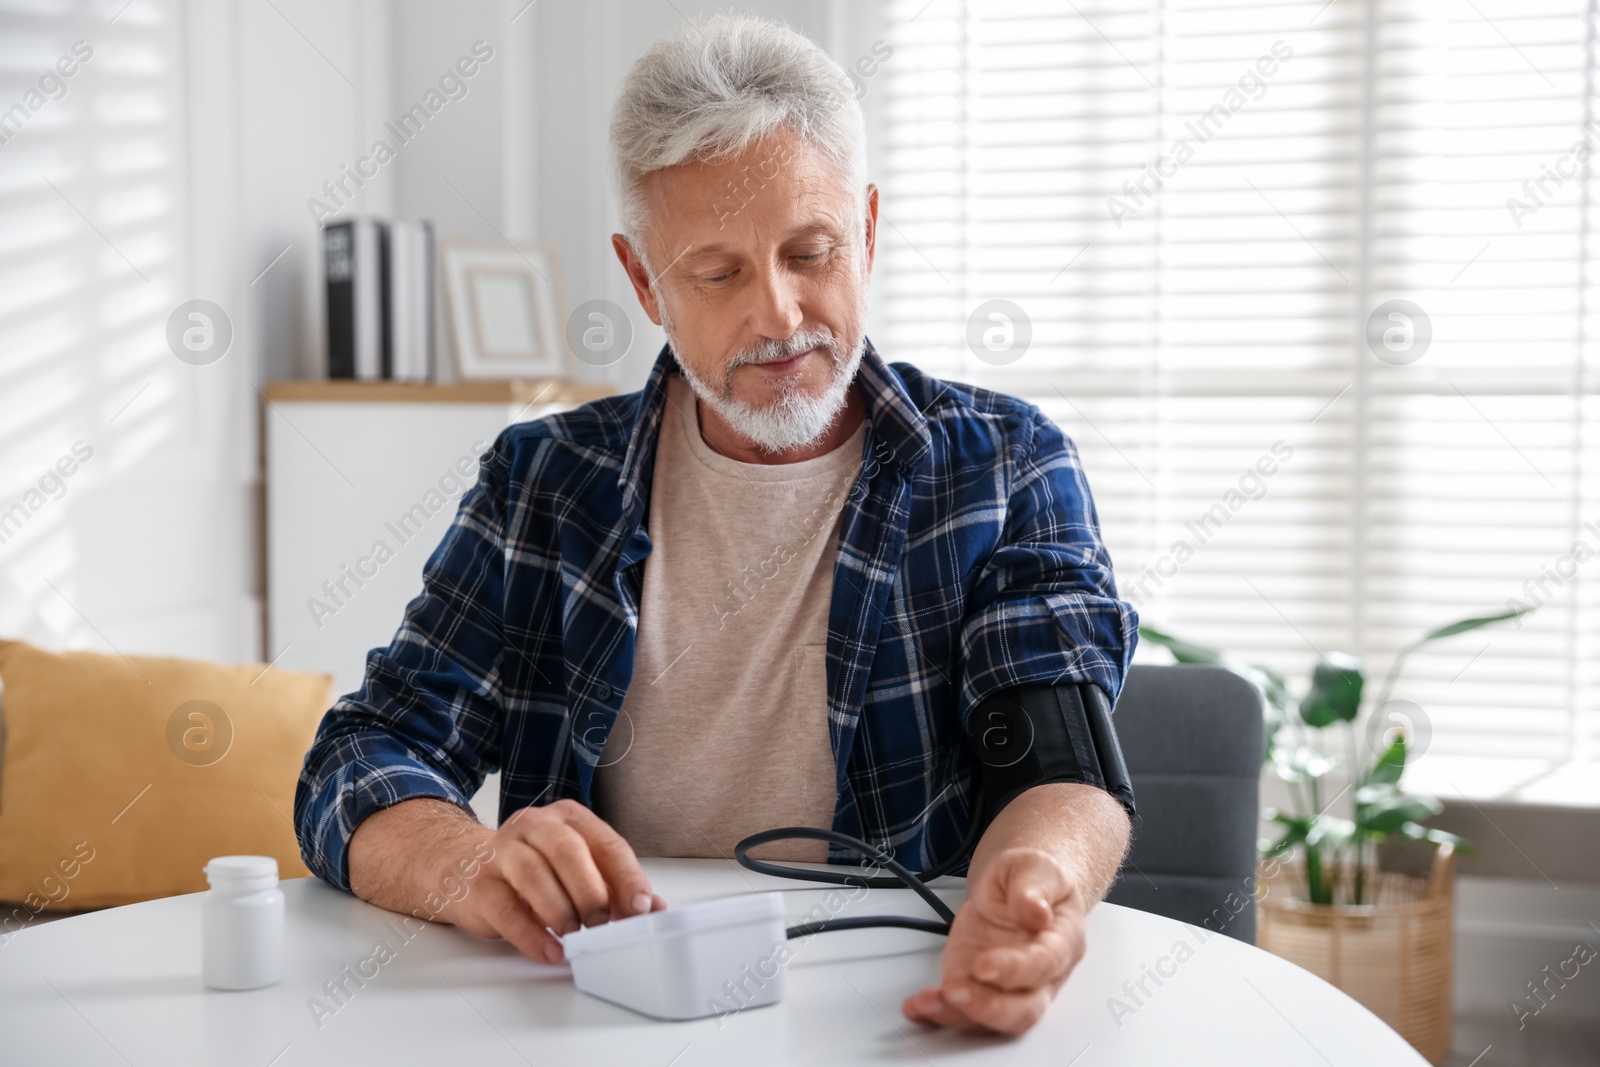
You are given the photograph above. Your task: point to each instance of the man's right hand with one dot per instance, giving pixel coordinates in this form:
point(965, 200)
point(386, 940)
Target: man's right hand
point(558, 866)
point(548, 868)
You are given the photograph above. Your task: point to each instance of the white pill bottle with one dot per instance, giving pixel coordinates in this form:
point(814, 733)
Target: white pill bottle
point(241, 923)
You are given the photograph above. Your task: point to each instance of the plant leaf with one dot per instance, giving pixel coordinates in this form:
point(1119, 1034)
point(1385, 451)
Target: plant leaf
point(1416, 832)
point(1335, 693)
point(1295, 830)
point(1461, 626)
point(1274, 687)
point(1391, 764)
point(1301, 764)
point(1329, 830)
point(1375, 793)
point(1182, 651)
point(1389, 814)
point(1283, 846)
point(1460, 844)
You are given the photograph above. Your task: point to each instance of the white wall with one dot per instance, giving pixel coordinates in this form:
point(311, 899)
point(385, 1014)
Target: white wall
point(313, 87)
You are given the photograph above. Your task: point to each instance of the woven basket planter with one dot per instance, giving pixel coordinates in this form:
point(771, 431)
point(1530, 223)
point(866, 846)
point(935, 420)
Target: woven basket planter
point(1393, 955)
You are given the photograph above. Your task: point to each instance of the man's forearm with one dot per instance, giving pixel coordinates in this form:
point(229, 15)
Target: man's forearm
point(1082, 826)
point(401, 856)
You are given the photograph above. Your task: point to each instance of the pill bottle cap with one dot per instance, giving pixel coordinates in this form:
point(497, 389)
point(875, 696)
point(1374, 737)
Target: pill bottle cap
point(242, 872)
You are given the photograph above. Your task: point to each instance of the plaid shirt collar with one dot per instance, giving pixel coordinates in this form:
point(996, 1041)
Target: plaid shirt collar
point(895, 418)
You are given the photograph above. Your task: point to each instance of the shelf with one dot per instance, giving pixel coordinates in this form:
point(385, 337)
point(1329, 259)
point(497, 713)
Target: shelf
point(528, 391)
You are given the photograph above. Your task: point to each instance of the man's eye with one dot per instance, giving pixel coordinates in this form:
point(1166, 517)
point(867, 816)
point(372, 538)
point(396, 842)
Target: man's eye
point(809, 257)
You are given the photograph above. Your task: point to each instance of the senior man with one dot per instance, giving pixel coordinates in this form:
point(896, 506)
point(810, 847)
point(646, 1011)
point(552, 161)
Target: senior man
point(786, 583)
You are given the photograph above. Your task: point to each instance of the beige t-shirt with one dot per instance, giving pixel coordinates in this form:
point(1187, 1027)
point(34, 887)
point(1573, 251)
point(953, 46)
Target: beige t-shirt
point(724, 729)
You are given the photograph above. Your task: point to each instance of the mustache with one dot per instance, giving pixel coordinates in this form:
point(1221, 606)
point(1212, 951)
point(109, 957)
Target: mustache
point(772, 350)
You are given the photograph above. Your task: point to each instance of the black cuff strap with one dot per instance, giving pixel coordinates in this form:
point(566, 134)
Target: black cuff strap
point(1038, 734)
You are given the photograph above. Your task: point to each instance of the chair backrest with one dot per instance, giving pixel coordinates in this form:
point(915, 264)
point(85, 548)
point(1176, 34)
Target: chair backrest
point(1192, 740)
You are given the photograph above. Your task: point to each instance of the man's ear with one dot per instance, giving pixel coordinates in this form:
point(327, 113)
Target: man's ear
point(638, 275)
point(871, 225)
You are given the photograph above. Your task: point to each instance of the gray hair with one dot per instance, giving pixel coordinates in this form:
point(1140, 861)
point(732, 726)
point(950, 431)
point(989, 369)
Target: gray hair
point(716, 87)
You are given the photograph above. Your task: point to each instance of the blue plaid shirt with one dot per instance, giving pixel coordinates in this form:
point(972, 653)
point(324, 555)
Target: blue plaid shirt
point(969, 561)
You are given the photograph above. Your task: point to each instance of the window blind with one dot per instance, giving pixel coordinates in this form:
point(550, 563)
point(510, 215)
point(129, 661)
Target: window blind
point(92, 260)
point(1205, 212)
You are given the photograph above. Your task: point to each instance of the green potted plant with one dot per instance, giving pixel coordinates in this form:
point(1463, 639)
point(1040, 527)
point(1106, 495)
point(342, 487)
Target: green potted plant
point(1325, 904)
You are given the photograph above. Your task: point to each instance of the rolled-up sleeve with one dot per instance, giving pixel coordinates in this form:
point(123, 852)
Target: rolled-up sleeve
point(1044, 608)
point(427, 720)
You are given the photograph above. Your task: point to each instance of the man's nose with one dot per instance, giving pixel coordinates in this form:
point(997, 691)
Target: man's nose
point(777, 311)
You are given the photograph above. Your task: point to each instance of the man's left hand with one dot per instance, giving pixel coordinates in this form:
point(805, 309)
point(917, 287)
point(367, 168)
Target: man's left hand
point(1012, 945)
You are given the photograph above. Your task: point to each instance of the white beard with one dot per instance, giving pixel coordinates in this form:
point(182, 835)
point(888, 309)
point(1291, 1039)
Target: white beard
point(795, 419)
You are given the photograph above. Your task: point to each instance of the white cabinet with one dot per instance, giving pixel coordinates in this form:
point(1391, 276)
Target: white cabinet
point(362, 481)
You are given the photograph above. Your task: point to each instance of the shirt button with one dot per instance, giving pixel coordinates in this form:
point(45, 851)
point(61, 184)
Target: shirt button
point(602, 691)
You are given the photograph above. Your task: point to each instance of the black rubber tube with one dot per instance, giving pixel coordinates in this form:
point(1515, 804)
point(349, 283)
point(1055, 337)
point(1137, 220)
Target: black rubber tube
point(898, 878)
point(857, 922)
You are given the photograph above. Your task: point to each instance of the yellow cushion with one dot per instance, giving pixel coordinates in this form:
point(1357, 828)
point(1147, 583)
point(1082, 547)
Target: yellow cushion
point(122, 777)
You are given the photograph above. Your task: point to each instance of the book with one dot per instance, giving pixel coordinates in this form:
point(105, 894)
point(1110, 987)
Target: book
point(411, 297)
point(356, 262)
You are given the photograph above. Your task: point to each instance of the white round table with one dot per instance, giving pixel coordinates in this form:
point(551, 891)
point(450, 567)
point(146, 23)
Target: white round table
point(122, 987)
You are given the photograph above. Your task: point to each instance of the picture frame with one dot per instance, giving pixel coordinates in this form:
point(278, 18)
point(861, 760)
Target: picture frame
point(503, 299)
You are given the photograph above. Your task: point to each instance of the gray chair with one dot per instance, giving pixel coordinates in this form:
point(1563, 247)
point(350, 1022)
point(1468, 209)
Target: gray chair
point(1192, 740)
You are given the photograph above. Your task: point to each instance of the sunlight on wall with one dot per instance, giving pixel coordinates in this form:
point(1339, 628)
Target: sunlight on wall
point(92, 260)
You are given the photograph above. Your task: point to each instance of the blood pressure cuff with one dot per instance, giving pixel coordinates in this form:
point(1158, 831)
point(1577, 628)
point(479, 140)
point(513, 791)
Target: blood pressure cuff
point(1038, 734)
